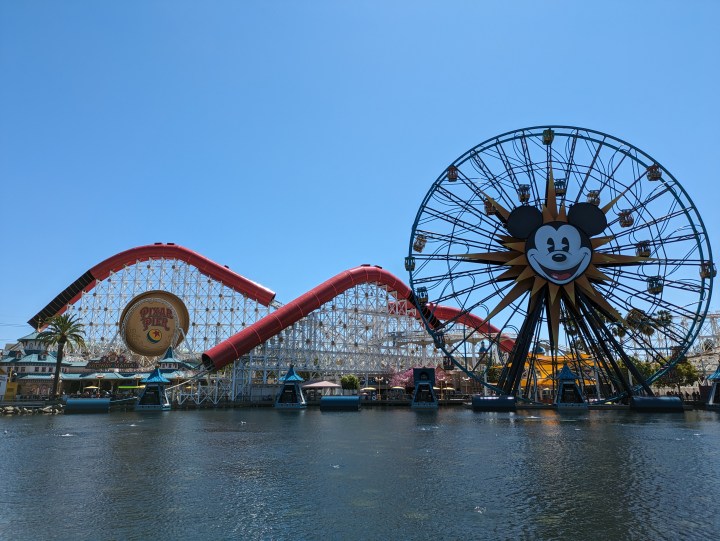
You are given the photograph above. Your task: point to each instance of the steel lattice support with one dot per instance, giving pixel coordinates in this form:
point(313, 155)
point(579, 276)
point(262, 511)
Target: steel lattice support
point(216, 311)
point(364, 331)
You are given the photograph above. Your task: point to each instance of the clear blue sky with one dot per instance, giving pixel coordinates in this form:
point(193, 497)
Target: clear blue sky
point(291, 140)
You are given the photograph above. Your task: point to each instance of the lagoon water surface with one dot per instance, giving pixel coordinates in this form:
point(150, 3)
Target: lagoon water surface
point(379, 473)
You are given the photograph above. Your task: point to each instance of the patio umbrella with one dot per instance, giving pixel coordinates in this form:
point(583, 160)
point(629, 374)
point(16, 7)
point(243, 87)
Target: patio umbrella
point(92, 387)
point(321, 385)
point(368, 389)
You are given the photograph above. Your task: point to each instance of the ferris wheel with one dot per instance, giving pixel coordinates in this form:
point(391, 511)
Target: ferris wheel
point(578, 246)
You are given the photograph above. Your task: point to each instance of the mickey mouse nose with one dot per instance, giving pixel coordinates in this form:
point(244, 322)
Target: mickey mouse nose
point(559, 258)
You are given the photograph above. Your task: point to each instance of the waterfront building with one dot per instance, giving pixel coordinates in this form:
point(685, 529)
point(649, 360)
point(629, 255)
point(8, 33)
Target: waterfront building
point(713, 400)
point(568, 391)
point(154, 396)
point(424, 394)
point(29, 364)
point(291, 394)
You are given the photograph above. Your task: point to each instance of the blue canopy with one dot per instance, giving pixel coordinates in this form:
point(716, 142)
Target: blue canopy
point(716, 375)
point(566, 374)
point(292, 375)
point(155, 377)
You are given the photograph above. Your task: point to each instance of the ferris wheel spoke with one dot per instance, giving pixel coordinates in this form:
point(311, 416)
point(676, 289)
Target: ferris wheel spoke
point(647, 225)
point(459, 237)
point(653, 244)
point(466, 226)
point(461, 293)
point(493, 179)
point(479, 194)
point(473, 273)
point(622, 192)
point(656, 194)
point(516, 310)
point(590, 168)
point(610, 179)
point(640, 272)
point(633, 296)
point(506, 163)
point(529, 165)
point(570, 156)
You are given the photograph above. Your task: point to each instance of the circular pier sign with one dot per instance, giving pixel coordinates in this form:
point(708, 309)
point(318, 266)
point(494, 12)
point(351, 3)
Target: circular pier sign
point(154, 321)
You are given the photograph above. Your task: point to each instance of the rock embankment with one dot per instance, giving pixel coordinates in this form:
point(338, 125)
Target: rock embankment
point(23, 410)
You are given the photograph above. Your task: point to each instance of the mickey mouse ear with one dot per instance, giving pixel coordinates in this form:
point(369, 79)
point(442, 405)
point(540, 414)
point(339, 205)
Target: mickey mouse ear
point(523, 220)
point(587, 217)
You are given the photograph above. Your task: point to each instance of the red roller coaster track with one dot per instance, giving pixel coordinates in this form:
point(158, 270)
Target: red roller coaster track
point(143, 253)
point(243, 342)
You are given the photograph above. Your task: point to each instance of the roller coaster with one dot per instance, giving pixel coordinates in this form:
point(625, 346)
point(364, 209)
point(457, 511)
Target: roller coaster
point(363, 321)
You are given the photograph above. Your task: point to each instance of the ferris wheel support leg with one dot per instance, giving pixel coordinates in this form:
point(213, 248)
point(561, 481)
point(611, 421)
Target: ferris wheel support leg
point(604, 337)
point(518, 357)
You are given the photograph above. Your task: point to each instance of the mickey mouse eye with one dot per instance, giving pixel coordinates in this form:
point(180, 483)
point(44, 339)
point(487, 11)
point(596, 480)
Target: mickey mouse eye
point(551, 245)
point(565, 244)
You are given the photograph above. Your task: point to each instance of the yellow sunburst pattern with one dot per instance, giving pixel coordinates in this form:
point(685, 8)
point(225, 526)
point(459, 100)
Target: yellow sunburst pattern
point(528, 280)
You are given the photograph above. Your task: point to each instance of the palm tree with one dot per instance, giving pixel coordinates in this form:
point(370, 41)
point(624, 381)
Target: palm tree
point(63, 330)
point(638, 320)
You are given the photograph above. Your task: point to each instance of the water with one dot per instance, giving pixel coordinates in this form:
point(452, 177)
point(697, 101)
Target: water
point(375, 474)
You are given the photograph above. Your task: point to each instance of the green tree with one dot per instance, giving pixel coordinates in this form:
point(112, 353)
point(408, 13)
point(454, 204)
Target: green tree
point(62, 331)
point(682, 374)
point(645, 368)
point(350, 382)
point(493, 373)
point(618, 329)
point(638, 320)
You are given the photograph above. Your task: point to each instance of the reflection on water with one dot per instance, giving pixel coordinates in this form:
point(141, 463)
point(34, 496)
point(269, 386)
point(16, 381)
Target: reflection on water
point(378, 473)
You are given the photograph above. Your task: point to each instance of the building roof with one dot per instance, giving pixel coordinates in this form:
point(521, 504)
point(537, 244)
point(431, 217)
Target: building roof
point(715, 375)
point(155, 377)
point(171, 358)
point(566, 374)
point(292, 375)
point(37, 376)
point(109, 376)
point(33, 358)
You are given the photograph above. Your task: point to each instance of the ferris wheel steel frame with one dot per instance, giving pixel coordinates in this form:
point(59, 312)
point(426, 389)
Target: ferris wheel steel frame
point(467, 208)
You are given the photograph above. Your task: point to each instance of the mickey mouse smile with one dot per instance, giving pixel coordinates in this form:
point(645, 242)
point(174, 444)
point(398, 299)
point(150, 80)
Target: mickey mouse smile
point(559, 276)
point(559, 252)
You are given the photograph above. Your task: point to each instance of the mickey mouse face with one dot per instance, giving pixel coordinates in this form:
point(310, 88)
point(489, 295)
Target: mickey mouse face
point(559, 252)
